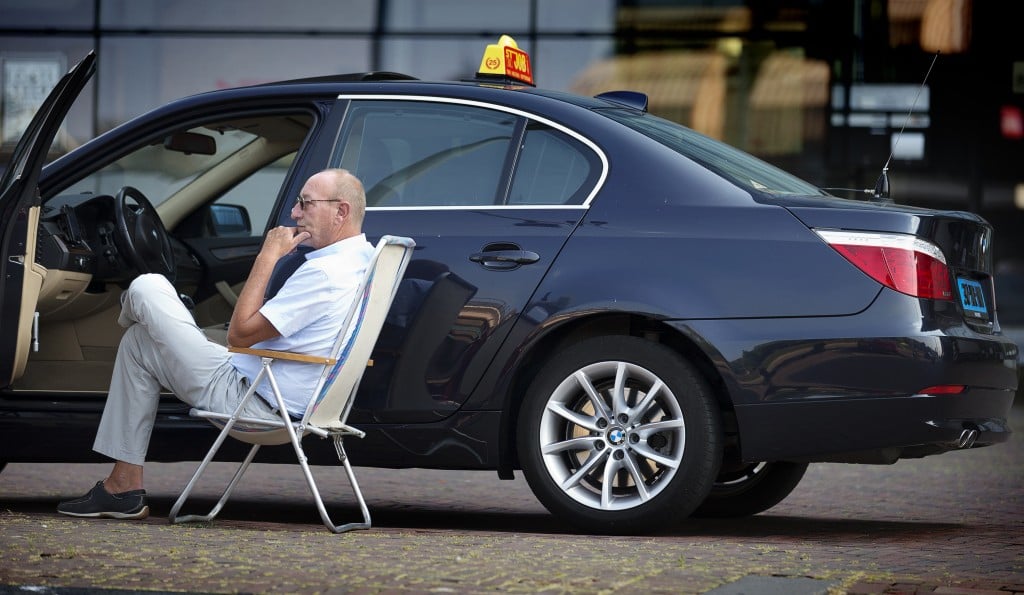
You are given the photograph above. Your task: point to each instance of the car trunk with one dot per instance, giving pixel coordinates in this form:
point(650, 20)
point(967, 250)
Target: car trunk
point(965, 240)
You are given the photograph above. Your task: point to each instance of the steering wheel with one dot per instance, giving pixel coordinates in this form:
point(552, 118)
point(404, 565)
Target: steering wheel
point(144, 240)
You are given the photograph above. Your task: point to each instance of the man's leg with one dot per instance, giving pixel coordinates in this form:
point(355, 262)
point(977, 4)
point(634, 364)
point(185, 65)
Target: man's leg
point(162, 347)
point(125, 427)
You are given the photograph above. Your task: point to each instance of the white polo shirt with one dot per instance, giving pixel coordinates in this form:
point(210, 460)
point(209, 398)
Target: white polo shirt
point(308, 311)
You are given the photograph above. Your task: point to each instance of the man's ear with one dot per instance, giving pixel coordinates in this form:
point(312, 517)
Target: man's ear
point(344, 209)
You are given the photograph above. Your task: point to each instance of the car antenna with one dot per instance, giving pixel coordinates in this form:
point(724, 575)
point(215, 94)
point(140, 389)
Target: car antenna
point(882, 184)
point(881, 190)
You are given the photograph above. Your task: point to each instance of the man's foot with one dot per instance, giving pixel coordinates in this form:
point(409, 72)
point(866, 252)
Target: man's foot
point(99, 503)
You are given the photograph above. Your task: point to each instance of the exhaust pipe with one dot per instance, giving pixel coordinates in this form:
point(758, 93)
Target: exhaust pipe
point(967, 438)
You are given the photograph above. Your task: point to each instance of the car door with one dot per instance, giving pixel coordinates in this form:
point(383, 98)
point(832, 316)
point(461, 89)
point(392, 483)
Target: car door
point(19, 212)
point(490, 196)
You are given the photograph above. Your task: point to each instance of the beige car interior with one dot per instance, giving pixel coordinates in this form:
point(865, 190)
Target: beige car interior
point(78, 334)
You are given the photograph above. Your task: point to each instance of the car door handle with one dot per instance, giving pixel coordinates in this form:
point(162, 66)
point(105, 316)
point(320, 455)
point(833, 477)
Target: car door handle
point(504, 259)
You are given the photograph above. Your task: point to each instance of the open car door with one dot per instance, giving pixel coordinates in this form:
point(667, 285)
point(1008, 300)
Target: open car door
point(19, 220)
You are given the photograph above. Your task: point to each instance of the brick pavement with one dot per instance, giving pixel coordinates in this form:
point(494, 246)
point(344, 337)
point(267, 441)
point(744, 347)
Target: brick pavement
point(948, 524)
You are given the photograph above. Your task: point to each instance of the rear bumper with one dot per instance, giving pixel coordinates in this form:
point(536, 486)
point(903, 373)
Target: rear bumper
point(870, 430)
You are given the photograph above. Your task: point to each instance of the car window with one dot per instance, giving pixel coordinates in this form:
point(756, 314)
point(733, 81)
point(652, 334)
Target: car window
point(237, 166)
point(552, 169)
point(258, 192)
point(739, 167)
point(159, 172)
point(418, 154)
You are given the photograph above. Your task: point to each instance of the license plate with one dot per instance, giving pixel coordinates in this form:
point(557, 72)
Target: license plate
point(972, 298)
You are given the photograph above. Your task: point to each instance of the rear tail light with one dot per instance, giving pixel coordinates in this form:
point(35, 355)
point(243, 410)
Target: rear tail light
point(902, 262)
point(943, 389)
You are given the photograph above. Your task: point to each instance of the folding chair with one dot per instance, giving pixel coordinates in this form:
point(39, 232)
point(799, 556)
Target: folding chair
point(328, 411)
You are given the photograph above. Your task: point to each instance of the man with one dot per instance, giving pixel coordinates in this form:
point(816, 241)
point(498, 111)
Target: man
point(163, 347)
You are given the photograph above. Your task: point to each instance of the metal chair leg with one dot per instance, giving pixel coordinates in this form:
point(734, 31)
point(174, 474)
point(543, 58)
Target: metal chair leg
point(339, 447)
point(224, 432)
point(315, 491)
point(173, 517)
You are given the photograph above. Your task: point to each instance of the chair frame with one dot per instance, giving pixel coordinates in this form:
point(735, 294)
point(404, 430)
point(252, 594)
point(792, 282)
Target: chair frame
point(330, 394)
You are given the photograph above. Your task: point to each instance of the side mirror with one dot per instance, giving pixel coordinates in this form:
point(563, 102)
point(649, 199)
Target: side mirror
point(215, 221)
point(191, 143)
point(229, 221)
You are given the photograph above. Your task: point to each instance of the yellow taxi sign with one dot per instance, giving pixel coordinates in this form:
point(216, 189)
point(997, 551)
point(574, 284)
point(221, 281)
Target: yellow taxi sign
point(505, 60)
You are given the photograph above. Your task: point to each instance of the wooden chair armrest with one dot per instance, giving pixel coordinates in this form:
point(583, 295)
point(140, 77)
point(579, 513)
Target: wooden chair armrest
point(295, 357)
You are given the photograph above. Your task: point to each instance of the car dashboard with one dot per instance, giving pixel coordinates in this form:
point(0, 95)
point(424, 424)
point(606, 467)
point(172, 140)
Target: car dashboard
point(76, 233)
point(77, 245)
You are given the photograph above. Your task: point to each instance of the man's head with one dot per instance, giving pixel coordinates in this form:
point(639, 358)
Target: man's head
point(330, 207)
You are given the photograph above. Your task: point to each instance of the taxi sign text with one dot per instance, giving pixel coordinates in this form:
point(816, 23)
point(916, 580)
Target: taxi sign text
point(517, 64)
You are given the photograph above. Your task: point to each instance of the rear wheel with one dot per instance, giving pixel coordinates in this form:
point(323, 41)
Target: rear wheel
point(750, 488)
point(620, 435)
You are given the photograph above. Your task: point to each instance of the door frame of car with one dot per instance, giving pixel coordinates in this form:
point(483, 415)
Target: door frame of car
point(19, 209)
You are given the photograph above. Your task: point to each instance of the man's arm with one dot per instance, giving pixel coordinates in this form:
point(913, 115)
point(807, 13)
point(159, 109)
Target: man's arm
point(248, 326)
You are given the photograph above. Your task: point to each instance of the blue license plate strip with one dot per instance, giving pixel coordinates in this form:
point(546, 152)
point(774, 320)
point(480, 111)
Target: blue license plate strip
point(972, 298)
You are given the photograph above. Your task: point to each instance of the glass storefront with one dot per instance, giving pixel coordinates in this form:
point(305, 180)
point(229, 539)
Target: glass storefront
point(153, 51)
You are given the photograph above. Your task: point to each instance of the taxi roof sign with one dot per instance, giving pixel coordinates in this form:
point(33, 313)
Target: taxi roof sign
point(504, 60)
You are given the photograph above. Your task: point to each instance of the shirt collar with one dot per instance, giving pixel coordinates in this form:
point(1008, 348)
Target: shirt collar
point(337, 247)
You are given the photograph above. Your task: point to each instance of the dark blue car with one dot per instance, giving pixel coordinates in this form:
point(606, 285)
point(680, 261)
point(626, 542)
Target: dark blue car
point(648, 323)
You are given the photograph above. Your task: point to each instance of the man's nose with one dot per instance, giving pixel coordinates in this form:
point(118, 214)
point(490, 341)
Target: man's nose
point(296, 211)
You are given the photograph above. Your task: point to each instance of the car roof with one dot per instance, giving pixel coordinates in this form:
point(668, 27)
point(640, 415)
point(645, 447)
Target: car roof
point(345, 78)
point(349, 82)
point(384, 75)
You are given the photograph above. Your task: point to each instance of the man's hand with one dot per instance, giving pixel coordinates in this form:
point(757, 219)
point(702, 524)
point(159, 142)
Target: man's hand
point(281, 241)
point(247, 325)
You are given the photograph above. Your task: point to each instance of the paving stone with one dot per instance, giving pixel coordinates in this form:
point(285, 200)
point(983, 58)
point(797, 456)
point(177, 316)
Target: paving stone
point(773, 585)
point(867, 588)
point(967, 591)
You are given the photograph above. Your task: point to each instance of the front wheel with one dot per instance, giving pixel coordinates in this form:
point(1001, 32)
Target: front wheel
point(620, 435)
point(750, 488)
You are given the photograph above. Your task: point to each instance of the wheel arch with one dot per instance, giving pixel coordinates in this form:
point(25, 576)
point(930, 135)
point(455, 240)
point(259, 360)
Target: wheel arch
point(604, 324)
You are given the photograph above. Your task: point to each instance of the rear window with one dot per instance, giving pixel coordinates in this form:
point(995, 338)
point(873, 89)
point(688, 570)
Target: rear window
point(739, 167)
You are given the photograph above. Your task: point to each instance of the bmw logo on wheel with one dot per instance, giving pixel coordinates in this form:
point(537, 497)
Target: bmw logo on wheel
point(616, 436)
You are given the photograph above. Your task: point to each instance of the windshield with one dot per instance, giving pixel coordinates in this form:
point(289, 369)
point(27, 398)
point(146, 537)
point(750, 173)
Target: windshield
point(740, 168)
point(160, 172)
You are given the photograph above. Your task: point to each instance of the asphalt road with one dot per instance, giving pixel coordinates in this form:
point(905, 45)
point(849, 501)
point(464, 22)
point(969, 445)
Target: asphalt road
point(947, 524)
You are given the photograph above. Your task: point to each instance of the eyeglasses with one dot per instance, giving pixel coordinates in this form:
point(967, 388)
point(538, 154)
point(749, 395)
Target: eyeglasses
point(302, 202)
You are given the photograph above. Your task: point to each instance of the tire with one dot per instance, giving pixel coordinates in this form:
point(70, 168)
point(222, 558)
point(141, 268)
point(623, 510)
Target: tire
point(660, 448)
point(750, 489)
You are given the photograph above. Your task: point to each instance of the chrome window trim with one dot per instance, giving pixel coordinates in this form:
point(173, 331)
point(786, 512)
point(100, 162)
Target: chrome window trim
point(484, 208)
point(491, 106)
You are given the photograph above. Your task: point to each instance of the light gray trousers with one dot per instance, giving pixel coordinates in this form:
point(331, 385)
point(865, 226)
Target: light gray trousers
point(163, 347)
